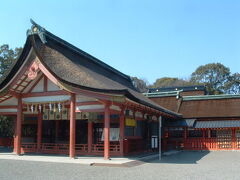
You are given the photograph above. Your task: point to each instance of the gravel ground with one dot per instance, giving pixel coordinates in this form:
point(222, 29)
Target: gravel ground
point(184, 165)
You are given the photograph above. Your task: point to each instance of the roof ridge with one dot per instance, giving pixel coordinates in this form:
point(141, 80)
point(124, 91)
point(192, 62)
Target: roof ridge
point(216, 96)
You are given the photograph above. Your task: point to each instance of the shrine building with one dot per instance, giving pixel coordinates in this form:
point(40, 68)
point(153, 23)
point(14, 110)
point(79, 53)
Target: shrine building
point(66, 101)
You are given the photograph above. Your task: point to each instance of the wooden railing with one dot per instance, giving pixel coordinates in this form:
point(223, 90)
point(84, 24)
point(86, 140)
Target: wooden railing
point(81, 148)
point(100, 148)
point(64, 148)
point(29, 147)
point(54, 148)
point(208, 144)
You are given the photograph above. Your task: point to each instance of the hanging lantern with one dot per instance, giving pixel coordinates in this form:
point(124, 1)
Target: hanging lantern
point(40, 107)
point(59, 107)
point(50, 106)
point(54, 107)
point(32, 108)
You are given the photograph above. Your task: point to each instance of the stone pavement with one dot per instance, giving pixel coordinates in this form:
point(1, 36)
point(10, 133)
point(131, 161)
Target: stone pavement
point(185, 165)
point(87, 160)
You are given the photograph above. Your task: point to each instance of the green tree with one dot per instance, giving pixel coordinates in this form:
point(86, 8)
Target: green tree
point(6, 126)
point(233, 84)
point(214, 76)
point(7, 57)
point(168, 82)
point(140, 84)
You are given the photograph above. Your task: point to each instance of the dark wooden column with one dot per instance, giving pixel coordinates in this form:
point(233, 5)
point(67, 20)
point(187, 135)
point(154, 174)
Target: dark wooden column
point(185, 133)
point(107, 132)
point(121, 128)
point(90, 136)
point(72, 126)
point(56, 130)
point(19, 127)
point(39, 131)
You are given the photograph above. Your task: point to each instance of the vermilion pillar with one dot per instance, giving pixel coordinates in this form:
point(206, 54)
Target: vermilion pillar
point(121, 126)
point(15, 132)
point(90, 136)
point(39, 131)
point(72, 125)
point(19, 127)
point(107, 132)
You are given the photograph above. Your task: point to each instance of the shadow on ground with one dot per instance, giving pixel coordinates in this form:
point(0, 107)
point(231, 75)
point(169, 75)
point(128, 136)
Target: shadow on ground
point(183, 157)
point(6, 150)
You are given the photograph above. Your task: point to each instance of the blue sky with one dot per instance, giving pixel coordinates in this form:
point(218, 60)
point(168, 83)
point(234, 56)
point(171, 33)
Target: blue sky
point(144, 38)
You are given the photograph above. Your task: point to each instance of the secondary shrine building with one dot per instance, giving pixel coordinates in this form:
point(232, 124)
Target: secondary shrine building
point(66, 101)
point(209, 122)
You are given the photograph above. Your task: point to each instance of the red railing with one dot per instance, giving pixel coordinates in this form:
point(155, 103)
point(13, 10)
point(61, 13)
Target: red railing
point(208, 144)
point(54, 148)
point(81, 148)
point(29, 147)
point(64, 148)
point(100, 148)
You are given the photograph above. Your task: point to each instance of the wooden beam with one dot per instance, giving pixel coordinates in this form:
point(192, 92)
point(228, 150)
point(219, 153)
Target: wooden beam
point(8, 107)
point(87, 103)
point(45, 87)
point(13, 93)
point(49, 93)
point(35, 83)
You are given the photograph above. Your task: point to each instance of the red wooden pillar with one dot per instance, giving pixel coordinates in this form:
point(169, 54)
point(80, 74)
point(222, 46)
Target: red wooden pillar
point(121, 127)
point(19, 127)
point(72, 125)
point(39, 131)
point(107, 132)
point(15, 132)
point(90, 136)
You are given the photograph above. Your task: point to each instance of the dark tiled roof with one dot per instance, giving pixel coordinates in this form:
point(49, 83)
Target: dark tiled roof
point(217, 124)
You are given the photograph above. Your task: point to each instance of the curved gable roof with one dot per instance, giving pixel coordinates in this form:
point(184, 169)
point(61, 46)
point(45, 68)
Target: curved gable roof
point(77, 68)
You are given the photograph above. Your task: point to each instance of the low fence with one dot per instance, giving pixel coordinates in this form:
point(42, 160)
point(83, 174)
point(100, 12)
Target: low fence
point(81, 149)
point(210, 144)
